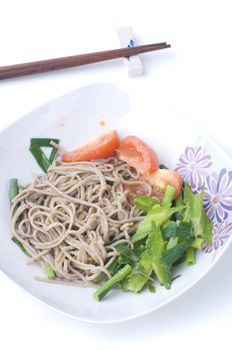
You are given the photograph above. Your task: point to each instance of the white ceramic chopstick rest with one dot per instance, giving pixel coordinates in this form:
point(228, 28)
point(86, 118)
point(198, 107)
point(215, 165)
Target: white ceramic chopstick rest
point(133, 64)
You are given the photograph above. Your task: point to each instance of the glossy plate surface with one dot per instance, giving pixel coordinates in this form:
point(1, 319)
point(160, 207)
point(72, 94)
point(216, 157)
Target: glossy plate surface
point(75, 118)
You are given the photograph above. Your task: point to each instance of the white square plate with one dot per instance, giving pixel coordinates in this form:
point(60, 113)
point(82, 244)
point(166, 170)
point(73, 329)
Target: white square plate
point(75, 118)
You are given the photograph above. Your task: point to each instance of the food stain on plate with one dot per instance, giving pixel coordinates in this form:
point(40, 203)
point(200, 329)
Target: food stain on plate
point(102, 123)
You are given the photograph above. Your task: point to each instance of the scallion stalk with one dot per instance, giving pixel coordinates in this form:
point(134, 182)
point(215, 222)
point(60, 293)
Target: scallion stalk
point(13, 190)
point(190, 256)
point(16, 241)
point(198, 243)
point(118, 277)
point(169, 194)
point(35, 147)
point(49, 270)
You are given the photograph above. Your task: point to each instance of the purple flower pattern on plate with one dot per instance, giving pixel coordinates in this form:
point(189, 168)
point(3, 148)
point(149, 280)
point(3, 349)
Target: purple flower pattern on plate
point(218, 195)
point(192, 165)
point(221, 232)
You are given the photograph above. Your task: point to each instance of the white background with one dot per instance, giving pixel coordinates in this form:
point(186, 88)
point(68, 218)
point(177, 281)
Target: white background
point(194, 78)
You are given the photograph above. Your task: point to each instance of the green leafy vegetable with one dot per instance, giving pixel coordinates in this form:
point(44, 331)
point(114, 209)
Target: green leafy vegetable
point(44, 142)
point(154, 249)
point(177, 229)
point(49, 270)
point(198, 243)
point(202, 225)
point(190, 256)
point(141, 274)
point(150, 260)
point(169, 194)
point(16, 241)
point(171, 255)
point(114, 267)
point(172, 242)
point(159, 214)
point(13, 190)
point(127, 255)
point(118, 277)
point(152, 288)
point(145, 202)
point(178, 216)
point(40, 158)
point(35, 147)
point(168, 235)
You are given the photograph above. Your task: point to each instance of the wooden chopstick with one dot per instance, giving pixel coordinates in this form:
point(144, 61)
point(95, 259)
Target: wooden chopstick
point(19, 70)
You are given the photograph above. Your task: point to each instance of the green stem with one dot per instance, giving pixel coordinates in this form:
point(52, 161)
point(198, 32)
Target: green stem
point(118, 277)
point(13, 190)
point(190, 256)
point(16, 241)
point(169, 194)
point(197, 244)
point(49, 270)
point(35, 147)
point(40, 158)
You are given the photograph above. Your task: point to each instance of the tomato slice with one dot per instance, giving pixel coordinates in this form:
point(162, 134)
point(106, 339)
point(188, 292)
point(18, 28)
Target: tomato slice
point(163, 177)
point(103, 146)
point(137, 154)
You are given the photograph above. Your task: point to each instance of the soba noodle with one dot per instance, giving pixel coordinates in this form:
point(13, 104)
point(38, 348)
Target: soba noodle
point(74, 217)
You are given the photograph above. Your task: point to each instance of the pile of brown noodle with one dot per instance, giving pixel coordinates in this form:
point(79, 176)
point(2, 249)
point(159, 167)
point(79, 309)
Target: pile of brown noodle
point(74, 217)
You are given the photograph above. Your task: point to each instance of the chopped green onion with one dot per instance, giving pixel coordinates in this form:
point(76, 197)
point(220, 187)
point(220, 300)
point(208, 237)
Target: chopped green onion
point(190, 256)
point(169, 194)
point(118, 277)
point(171, 255)
point(155, 248)
point(35, 148)
point(172, 242)
point(174, 229)
point(159, 214)
point(140, 274)
point(114, 267)
point(43, 142)
point(195, 212)
point(49, 270)
point(178, 202)
point(16, 241)
point(53, 154)
point(40, 158)
point(13, 190)
point(198, 243)
point(145, 202)
point(151, 288)
point(127, 255)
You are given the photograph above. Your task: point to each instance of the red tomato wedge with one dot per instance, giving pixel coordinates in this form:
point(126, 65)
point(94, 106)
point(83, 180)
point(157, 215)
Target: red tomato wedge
point(137, 154)
point(163, 177)
point(103, 146)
